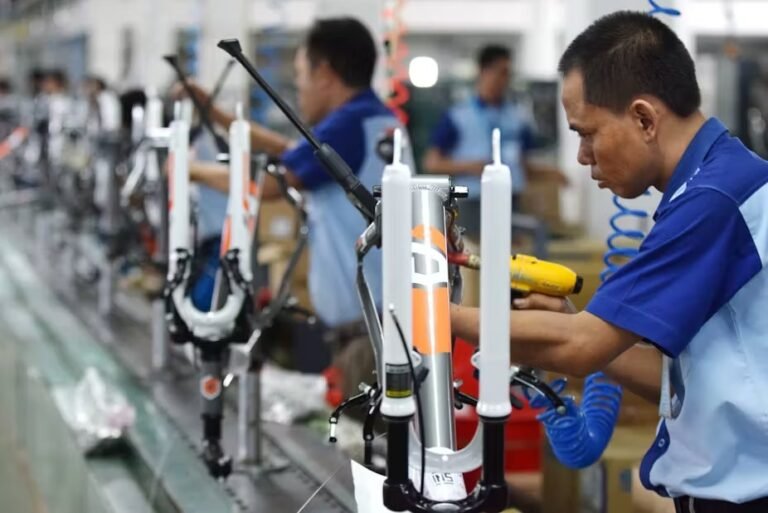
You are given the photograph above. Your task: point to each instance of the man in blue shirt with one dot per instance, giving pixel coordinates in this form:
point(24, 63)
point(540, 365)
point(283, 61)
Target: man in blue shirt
point(460, 145)
point(334, 67)
point(697, 292)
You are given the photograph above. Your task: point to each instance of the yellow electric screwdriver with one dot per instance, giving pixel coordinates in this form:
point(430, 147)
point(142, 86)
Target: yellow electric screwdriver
point(529, 274)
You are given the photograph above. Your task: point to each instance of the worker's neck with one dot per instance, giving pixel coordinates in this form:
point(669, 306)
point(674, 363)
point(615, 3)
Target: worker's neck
point(677, 136)
point(488, 97)
point(341, 95)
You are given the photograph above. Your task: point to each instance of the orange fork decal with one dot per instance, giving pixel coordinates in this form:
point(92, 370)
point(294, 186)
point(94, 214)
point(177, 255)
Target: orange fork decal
point(226, 236)
point(246, 181)
point(431, 306)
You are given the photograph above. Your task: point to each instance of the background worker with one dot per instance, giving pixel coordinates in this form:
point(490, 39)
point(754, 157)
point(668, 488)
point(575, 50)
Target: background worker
point(697, 290)
point(460, 144)
point(334, 67)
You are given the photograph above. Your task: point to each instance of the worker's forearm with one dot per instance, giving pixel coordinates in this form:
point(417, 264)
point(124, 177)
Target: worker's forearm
point(210, 174)
point(639, 370)
point(539, 343)
point(219, 117)
point(575, 344)
point(262, 139)
point(269, 141)
point(216, 176)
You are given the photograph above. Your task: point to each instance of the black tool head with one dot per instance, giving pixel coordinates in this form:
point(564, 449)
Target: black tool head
point(171, 59)
point(231, 46)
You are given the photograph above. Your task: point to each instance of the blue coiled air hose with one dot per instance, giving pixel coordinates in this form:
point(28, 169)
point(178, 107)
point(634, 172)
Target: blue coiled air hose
point(617, 255)
point(579, 436)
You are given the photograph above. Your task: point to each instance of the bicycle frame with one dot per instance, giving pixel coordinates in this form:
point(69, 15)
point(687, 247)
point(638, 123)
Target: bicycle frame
point(211, 332)
point(416, 289)
point(426, 255)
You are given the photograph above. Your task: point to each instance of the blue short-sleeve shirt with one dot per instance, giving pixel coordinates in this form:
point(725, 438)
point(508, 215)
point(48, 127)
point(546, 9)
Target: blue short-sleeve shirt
point(464, 133)
point(354, 130)
point(698, 290)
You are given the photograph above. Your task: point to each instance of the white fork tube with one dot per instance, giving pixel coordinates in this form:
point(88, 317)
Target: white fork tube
point(495, 223)
point(153, 118)
point(137, 124)
point(178, 192)
point(396, 254)
point(238, 209)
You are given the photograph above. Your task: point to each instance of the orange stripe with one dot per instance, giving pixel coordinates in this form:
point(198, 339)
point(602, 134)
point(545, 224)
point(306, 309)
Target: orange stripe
point(226, 236)
point(246, 180)
point(434, 236)
point(431, 333)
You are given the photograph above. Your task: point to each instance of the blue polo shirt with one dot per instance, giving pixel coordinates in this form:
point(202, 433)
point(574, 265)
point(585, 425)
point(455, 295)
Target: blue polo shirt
point(354, 131)
point(698, 290)
point(464, 133)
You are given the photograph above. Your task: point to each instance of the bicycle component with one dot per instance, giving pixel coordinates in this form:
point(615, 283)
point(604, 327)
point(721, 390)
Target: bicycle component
point(430, 278)
point(210, 332)
point(221, 144)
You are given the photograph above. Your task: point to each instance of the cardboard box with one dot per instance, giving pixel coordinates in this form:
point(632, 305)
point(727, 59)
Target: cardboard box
point(278, 221)
point(275, 255)
point(609, 486)
point(541, 199)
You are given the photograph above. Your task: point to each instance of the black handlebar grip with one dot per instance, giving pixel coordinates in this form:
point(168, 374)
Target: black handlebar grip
point(231, 46)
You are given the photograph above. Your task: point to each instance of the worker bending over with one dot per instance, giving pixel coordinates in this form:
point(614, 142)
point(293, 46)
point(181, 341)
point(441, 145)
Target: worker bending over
point(698, 289)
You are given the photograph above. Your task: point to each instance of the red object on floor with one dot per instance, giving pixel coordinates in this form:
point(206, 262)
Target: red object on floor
point(522, 432)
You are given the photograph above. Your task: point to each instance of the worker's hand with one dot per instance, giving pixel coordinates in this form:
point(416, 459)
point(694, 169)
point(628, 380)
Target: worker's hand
point(476, 167)
point(543, 302)
point(178, 91)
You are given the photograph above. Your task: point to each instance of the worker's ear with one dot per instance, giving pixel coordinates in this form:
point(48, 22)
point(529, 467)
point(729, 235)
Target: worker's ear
point(322, 73)
point(645, 116)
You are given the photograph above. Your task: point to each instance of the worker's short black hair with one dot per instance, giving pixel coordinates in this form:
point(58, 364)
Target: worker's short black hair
point(5, 86)
point(347, 46)
point(626, 54)
point(489, 54)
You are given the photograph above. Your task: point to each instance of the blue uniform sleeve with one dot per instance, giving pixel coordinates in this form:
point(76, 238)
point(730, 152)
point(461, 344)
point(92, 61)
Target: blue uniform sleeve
point(699, 254)
point(344, 135)
point(445, 136)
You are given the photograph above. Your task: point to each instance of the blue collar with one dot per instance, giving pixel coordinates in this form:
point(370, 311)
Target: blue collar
point(362, 98)
point(482, 104)
point(365, 95)
point(693, 156)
